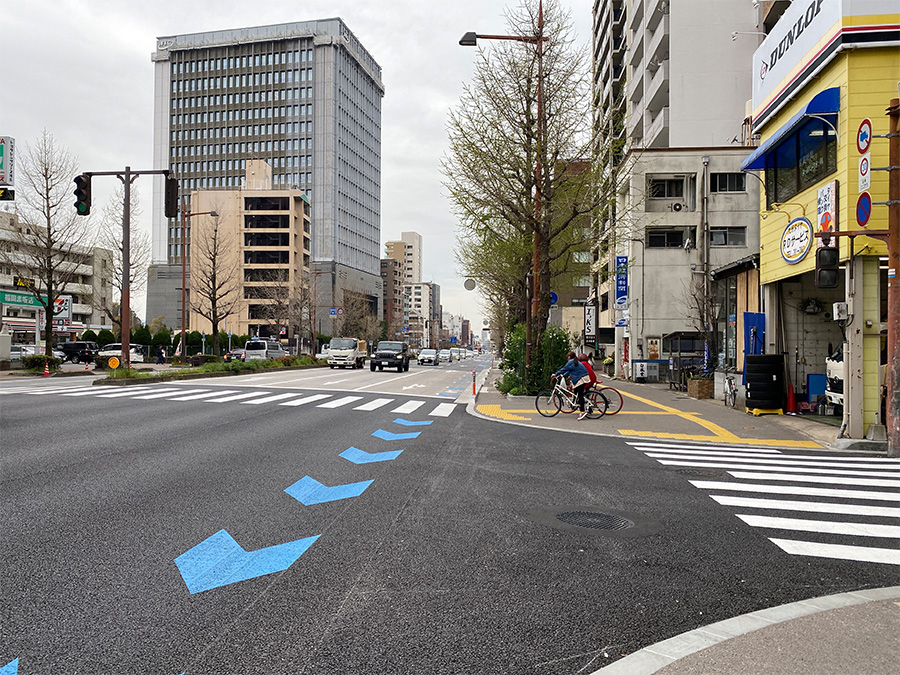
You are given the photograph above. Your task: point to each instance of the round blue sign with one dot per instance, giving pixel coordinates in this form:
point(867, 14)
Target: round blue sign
point(863, 208)
point(554, 298)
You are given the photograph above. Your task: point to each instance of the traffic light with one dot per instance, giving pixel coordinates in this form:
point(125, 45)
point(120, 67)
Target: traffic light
point(171, 197)
point(83, 194)
point(827, 271)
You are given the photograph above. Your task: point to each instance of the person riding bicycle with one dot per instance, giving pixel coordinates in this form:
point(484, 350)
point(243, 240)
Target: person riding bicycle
point(578, 375)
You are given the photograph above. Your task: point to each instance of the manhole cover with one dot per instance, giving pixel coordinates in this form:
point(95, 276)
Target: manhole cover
point(594, 521)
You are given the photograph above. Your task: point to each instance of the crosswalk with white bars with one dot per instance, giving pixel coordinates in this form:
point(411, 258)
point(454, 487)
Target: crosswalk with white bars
point(824, 506)
point(256, 397)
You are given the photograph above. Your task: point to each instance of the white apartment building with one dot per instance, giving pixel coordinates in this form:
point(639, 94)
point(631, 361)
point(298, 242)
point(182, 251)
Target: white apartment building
point(408, 250)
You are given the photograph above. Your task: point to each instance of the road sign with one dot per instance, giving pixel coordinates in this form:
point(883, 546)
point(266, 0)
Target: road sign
point(554, 298)
point(340, 311)
point(113, 362)
point(864, 136)
point(865, 175)
point(863, 208)
point(333, 311)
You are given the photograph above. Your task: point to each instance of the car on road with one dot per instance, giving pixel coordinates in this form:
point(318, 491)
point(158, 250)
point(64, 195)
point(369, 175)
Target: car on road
point(17, 352)
point(257, 349)
point(428, 357)
point(79, 352)
point(445, 355)
point(454, 352)
point(115, 349)
point(390, 354)
point(234, 355)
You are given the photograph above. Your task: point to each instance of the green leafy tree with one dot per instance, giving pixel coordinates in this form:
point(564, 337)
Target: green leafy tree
point(89, 336)
point(162, 337)
point(105, 337)
point(142, 336)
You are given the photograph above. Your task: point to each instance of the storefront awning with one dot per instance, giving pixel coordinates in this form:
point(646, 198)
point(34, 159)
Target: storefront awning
point(826, 102)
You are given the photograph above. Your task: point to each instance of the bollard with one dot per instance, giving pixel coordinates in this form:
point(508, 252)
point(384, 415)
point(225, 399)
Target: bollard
point(86, 366)
point(473, 381)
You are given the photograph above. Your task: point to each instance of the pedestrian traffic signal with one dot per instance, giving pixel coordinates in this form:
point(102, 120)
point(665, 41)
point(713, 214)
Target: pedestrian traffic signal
point(83, 194)
point(171, 197)
point(827, 270)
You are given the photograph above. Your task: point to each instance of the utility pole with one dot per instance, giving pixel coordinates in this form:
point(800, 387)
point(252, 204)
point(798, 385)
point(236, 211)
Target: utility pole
point(892, 374)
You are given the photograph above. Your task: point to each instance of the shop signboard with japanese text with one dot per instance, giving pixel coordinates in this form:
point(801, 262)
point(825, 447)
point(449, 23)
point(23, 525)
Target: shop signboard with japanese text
point(621, 298)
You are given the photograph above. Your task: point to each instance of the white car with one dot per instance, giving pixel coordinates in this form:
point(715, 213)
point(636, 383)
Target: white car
point(115, 349)
point(263, 349)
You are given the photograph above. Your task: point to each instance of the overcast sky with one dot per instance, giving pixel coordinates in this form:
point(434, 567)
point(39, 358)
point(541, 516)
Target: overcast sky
point(82, 70)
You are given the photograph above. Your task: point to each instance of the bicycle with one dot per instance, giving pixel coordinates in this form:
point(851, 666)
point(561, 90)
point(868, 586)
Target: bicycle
point(560, 398)
point(730, 390)
point(613, 397)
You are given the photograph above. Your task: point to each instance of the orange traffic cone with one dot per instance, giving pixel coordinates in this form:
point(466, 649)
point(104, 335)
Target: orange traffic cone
point(791, 402)
point(46, 369)
point(86, 369)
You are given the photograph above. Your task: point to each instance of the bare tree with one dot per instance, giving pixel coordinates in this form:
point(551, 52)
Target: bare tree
point(110, 237)
point(358, 320)
point(215, 274)
point(51, 240)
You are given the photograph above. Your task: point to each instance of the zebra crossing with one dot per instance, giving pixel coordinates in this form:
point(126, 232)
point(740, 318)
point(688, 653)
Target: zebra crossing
point(856, 517)
point(256, 397)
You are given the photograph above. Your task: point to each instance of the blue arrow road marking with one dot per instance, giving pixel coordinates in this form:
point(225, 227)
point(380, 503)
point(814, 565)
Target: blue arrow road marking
point(358, 456)
point(309, 491)
point(455, 387)
point(388, 436)
point(219, 560)
point(440, 393)
point(408, 423)
point(10, 668)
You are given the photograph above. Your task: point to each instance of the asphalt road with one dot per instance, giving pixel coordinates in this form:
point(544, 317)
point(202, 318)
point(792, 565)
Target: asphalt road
point(452, 560)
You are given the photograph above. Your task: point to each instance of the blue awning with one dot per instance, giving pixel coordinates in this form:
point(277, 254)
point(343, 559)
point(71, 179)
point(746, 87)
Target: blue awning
point(827, 102)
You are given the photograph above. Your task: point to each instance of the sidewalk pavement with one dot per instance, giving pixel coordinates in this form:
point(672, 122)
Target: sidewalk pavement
point(854, 632)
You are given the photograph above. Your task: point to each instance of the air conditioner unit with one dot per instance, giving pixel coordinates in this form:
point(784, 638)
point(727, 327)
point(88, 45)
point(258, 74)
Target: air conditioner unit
point(678, 206)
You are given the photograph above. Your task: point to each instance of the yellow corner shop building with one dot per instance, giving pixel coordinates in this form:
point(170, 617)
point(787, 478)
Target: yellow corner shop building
point(823, 79)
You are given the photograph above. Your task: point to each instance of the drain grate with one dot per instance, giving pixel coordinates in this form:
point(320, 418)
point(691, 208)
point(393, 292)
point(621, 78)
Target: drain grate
point(594, 520)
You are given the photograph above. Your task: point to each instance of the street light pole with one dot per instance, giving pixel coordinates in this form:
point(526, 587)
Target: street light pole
point(534, 290)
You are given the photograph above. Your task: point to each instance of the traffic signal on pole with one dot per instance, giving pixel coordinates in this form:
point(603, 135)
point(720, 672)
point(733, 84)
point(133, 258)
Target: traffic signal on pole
point(171, 197)
point(827, 267)
point(83, 194)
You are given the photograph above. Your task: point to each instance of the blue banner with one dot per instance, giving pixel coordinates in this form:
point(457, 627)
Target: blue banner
point(621, 298)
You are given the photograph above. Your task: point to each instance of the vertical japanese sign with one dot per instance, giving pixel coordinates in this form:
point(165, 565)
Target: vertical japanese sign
point(590, 324)
point(621, 299)
point(826, 210)
point(7, 161)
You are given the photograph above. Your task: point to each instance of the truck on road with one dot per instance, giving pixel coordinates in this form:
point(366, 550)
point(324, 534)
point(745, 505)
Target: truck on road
point(344, 351)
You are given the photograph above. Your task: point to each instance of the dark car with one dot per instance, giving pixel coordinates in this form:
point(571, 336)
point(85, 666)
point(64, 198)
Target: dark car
point(79, 352)
point(390, 354)
point(234, 355)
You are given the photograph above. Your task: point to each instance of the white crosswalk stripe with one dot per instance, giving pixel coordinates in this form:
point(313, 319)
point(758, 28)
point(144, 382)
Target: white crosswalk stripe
point(208, 395)
point(839, 527)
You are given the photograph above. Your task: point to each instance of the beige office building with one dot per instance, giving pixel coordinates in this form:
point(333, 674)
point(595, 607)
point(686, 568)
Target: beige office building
point(262, 266)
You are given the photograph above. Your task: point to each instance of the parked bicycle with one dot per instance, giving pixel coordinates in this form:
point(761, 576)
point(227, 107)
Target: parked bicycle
point(613, 397)
point(560, 398)
point(730, 389)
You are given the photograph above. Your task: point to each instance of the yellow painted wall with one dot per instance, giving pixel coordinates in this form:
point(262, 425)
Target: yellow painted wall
point(868, 80)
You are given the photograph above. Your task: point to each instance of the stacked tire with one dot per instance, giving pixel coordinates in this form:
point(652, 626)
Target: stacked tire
point(765, 381)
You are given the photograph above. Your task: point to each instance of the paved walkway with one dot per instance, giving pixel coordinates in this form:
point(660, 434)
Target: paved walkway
point(856, 632)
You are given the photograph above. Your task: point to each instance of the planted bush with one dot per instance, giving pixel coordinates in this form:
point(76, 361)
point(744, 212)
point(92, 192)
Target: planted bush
point(38, 361)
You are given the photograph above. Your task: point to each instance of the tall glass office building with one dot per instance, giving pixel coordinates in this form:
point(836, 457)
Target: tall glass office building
point(306, 98)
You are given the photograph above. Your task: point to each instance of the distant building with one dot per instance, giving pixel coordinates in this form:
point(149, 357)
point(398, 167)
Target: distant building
point(392, 296)
point(408, 250)
point(90, 288)
point(303, 96)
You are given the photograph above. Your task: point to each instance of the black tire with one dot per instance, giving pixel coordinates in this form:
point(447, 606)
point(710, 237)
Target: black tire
point(372, 367)
point(597, 404)
point(548, 403)
point(380, 369)
point(763, 378)
point(76, 360)
point(331, 366)
point(764, 404)
point(614, 399)
point(730, 398)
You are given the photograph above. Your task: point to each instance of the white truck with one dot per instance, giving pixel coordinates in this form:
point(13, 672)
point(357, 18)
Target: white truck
point(343, 352)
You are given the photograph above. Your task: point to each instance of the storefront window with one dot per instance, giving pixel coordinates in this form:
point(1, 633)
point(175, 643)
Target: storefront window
point(803, 159)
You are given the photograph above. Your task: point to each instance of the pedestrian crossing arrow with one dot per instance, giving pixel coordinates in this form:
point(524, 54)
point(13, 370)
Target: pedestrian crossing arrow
point(358, 456)
point(309, 491)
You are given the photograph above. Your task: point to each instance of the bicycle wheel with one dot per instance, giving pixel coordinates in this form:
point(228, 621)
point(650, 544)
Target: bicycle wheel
point(614, 398)
point(730, 396)
point(597, 404)
point(547, 403)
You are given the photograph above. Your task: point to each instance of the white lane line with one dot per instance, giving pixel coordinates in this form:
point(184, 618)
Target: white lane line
point(53, 390)
point(167, 393)
point(409, 406)
point(443, 410)
point(680, 446)
point(337, 403)
point(374, 405)
point(889, 556)
point(822, 526)
point(93, 391)
point(236, 397)
point(785, 469)
point(269, 399)
point(848, 462)
point(809, 507)
point(326, 384)
point(796, 490)
point(307, 399)
point(829, 480)
point(208, 394)
point(788, 465)
point(127, 391)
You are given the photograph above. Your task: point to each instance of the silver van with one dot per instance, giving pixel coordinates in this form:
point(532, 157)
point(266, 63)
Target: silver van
point(263, 349)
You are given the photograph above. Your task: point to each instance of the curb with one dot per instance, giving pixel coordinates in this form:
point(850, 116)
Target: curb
point(657, 656)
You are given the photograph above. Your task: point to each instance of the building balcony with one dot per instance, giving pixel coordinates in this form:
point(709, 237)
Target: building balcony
point(657, 129)
point(636, 85)
point(658, 44)
point(656, 95)
point(635, 126)
point(656, 12)
point(636, 48)
point(637, 16)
